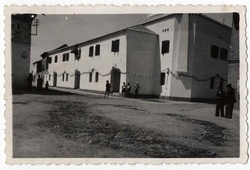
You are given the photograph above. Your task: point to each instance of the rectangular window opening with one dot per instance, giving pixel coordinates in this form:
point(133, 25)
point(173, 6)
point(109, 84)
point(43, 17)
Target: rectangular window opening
point(91, 50)
point(165, 47)
point(56, 58)
point(223, 54)
point(115, 46)
point(67, 76)
point(212, 82)
point(214, 51)
point(90, 77)
point(163, 75)
point(97, 50)
point(96, 76)
point(63, 77)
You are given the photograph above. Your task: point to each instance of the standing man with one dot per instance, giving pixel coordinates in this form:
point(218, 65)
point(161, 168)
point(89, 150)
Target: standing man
point(128, 90)
point(124, 87)
point(107, 91)
point(137, 88)
point(230, 101)
point(220, 97)
point(29, 82)
point(39, 84)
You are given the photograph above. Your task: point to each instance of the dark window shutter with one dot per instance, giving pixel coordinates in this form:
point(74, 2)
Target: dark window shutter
point(212, 82)
point(91, 49)
point(214, 51)
point(221, 83)
point(163, 75)
point(56, 59)
point(79, 54)
point(113, 46)
point(165, 47)
point(96, 77)
point(97, 50)
point(117, 45)
point(63, 77)
point(223, 54)
point(90, 77)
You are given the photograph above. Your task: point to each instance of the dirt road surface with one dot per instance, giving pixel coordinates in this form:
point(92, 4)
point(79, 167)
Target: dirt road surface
point(59, 124)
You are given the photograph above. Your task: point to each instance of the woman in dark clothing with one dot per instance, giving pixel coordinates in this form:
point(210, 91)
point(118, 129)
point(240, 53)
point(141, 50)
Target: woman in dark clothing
point(220, 97)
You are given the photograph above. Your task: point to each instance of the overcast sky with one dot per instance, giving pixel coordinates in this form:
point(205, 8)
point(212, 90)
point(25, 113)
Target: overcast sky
point(56, 30)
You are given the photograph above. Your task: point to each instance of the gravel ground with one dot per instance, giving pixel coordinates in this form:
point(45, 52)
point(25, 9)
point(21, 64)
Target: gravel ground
point(61, 124)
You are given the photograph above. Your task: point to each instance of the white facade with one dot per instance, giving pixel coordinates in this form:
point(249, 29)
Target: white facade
point(185, 60)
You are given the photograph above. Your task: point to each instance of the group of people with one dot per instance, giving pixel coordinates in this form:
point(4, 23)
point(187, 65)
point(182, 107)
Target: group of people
point(39, 83)
point(227, 99)
point(126, 89)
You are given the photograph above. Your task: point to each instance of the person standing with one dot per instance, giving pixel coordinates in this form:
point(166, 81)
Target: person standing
point(137, 88)
point(230, 101)
point(107, 91)
point(47, 85)
point(220, 97)
point(123, 89)
point(29, 82)
point(128, 90)
point(39, 84)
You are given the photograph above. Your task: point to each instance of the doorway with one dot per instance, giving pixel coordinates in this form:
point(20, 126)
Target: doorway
point(54, 79)
point(115, 80)
point(77, 79)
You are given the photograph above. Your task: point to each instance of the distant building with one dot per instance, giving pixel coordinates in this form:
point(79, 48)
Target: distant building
point(20, 48)
point(177, 56)
point(234, 59)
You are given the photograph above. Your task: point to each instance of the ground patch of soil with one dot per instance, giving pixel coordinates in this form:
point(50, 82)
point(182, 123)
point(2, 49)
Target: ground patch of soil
point(74, 121)
point(208, 132)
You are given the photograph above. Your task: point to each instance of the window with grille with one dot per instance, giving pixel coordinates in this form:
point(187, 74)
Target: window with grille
point(214, 51)
point(165, 47)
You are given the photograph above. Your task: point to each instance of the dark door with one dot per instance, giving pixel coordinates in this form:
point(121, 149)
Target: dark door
point(115, 80)
point(54, 79)
point(77, 79)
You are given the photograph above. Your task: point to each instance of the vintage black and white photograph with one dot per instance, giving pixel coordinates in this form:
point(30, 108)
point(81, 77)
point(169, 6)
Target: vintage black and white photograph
point(125, 85)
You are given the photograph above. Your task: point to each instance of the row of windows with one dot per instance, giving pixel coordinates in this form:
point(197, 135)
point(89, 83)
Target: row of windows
point(217, 52)
point(96, 77)
point(97, 50)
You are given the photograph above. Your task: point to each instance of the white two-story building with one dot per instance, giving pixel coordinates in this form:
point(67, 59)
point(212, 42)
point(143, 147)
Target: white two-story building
point(177, 56)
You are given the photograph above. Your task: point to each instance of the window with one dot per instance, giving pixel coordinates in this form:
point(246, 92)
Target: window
point(223, 54)
point(56, 58)
point(63, 59)
point(163, 75)
point(49, 77)
point(115, 46)
point(97, 50)
point(63, 77)
point(78, 54)
point(165, 47)
point(96, 76)
point(91, 50)
point(214, 51)
point(67, 57)
point(90, 77)
point(49, 60)
point(212, 82)
point(67, 76)
point(221, 82)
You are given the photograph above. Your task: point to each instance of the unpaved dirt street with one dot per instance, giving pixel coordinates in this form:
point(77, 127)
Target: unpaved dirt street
point(66, 125)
